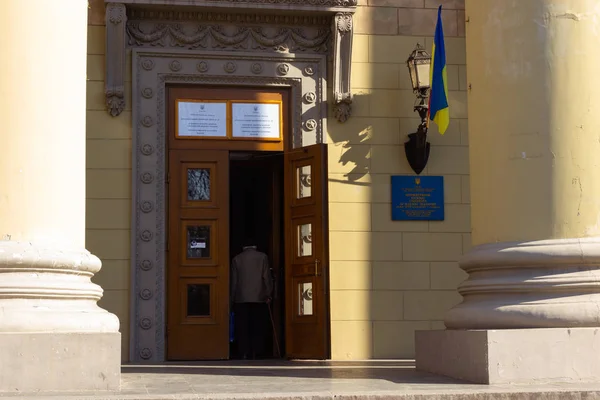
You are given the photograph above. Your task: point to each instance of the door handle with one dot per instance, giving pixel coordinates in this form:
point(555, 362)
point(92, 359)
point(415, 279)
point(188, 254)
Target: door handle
point(316, 266)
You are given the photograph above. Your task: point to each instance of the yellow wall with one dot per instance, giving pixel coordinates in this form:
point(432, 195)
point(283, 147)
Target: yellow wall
point(390, 278)
point(108, 207)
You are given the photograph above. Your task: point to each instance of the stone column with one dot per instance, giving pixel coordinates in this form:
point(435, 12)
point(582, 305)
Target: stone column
point(53, 335)
point(531, 304)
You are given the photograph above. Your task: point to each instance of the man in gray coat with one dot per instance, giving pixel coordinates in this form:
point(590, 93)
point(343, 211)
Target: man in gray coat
point(251, 291)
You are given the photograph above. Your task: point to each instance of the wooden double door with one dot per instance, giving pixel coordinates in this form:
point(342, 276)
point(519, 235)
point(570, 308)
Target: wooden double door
point(198, 270)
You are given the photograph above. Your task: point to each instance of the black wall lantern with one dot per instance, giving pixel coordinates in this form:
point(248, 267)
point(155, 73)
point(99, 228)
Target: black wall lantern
point(417, 147)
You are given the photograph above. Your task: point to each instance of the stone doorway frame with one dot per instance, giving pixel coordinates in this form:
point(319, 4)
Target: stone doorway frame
point(191, 42)
point(152, 73)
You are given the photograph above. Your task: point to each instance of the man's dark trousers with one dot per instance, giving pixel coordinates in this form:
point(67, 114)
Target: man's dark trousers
point(250, 327)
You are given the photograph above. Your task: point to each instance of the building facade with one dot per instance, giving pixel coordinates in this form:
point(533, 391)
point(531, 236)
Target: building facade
point(387, 278)
point(207, 121)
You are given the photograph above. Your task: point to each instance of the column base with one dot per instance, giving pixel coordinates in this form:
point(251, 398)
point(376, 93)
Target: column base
point(59, 362)
point(546, 355)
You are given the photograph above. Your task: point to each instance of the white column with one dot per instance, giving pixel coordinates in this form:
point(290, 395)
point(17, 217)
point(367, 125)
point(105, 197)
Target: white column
point(534, 150)
point(535, 196)
point(53, 336)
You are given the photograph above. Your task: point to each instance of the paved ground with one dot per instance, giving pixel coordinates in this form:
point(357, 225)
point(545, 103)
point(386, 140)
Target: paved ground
point(311, 380)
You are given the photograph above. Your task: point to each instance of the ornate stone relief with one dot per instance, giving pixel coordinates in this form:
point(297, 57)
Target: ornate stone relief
point(229, 67)
point(147, 93)
point(175, 66)
point(310, 97)
point(256, 68)
point(328, 33)
point(203, 66)
point(283, 69)
point(146, 294)
point(311, 125)
point(226, 37)
point(306, 81)
point(146, 323)
point(146, 265)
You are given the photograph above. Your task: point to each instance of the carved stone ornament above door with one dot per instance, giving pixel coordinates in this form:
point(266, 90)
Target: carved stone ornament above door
point(213, 26)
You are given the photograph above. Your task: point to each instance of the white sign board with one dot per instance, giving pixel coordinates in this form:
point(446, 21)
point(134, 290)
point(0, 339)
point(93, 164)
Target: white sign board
point(197, 119)
point(256, 120)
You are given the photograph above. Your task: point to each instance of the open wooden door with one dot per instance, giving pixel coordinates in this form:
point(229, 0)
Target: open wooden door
point(198, 255)
point(306, 242)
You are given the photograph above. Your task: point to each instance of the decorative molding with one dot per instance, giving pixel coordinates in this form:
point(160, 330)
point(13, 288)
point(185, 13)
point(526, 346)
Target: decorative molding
point(147, 93)
point(146, 323)
point(194, 36)
point(311, 124)
point(342, 62)
point(146, 235)
point(229, 67)
point(146, 353)
point(238, 31)
point(147, 149)
point(147, 177)
point(274, 5)
point(283, 69)
point(256, 68)
point(146, 206)
point(114, 88)
point(148, 65)
point(310, 97)
point(203, 67)
point(175, 66)
point(146, 265)
point(116, 13)
point(146, 294)
point(147, 121)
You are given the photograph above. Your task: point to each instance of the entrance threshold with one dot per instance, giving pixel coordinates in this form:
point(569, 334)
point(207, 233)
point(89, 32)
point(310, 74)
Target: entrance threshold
point(240, 380)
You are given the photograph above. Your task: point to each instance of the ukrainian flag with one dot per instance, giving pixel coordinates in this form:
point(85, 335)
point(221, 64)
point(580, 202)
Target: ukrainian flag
point(439, 111)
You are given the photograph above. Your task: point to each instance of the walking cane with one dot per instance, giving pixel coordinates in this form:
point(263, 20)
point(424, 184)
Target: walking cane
point(274, 331)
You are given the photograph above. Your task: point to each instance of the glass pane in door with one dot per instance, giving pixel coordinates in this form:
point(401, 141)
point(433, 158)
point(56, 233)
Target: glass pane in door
point(198, 300)
point(303, 181)
point(198, 184)
point(198, 241)
point(305, 240)
point(305, 298)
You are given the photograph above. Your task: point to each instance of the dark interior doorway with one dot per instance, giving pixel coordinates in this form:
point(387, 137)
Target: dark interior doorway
point(256, 210)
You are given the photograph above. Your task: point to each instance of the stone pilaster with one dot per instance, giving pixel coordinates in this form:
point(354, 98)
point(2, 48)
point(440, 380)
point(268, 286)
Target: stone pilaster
point(535, 185)
point(116, 19)
point(53, 335)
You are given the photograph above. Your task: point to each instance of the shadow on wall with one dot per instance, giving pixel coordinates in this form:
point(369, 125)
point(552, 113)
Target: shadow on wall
point(390, 278)
point(354, 142)
point(365, 246)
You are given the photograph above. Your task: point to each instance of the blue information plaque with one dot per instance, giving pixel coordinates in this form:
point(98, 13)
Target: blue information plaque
point(417, 198)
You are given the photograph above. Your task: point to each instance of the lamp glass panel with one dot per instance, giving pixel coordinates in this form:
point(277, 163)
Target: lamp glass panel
point(413, 74)
point(423, 71)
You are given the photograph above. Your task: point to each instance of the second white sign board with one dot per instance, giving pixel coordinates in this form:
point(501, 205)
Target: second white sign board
point(256, 120)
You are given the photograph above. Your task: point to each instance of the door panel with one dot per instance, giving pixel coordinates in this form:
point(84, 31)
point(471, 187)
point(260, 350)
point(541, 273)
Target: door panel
point(198, 255)
point(307, 308)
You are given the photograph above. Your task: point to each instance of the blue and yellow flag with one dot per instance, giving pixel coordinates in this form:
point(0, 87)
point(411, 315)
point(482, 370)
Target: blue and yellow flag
point(439, 111)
